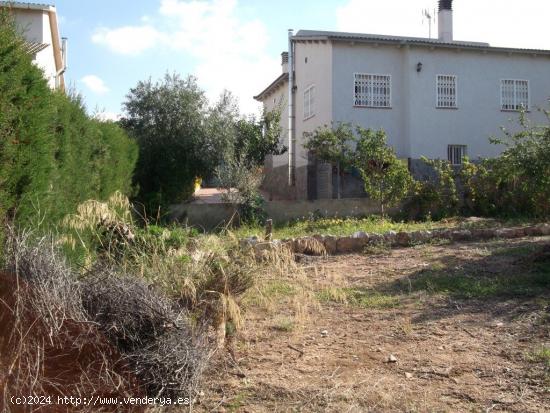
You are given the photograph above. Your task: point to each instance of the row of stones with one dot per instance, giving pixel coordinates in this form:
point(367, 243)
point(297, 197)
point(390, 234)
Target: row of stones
point(321, 244)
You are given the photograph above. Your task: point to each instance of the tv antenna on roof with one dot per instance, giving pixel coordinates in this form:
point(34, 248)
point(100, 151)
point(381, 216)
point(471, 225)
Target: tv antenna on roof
point(426, 14)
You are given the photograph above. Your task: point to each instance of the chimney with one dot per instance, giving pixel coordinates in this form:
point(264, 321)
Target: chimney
point(284, 61)
point(445, 20)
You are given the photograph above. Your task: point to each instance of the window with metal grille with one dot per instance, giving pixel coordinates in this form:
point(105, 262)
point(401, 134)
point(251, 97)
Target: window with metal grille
point(514, 94)
point(446, 91)
point(455, 153)
point(309, 101)
point(372, 90)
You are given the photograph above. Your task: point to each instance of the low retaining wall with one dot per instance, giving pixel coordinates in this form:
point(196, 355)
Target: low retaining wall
point(285, 211)
point(205, 216)
point(210, 216)
point(327, 244)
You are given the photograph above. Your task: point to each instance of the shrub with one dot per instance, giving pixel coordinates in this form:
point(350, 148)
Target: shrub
point(386, 178)
point(516, 183)
point(435, 198)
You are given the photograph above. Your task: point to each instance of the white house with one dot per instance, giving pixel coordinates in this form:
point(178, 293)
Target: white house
point(438, 98)
point(38, 25)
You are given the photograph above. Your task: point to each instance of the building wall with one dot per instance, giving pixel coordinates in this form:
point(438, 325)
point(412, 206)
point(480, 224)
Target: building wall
point(479, 115)
point(313, 66)
point(34, 25)
point(276, 166)
point(359, 58)
point(414, 126)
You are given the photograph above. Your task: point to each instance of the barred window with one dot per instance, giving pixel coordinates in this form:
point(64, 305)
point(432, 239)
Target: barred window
point(514, 94)
point(446, 91)
point(455, 153)
point(309, 101)
point(372, 90)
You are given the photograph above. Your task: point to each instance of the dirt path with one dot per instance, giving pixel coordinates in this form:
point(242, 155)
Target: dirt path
point(462, 324)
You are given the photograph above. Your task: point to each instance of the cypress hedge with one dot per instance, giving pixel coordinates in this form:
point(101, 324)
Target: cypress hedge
point(53, 155)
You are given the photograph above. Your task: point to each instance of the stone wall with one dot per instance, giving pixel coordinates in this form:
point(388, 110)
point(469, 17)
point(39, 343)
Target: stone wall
point(327, 244)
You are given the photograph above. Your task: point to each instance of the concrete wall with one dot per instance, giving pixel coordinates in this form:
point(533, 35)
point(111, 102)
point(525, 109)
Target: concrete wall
point(204, 216)
point(211, 216)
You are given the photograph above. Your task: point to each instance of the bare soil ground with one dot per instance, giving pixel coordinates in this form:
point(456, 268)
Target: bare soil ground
point(466, 326)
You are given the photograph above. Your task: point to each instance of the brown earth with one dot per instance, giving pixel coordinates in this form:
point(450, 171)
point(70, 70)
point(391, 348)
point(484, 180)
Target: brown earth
point(453, 353)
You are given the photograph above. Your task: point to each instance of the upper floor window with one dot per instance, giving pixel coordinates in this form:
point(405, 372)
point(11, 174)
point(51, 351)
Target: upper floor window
point(514, 94)
point(309, 102)
point(372, 90)
point(446, 91)
point(455, 154)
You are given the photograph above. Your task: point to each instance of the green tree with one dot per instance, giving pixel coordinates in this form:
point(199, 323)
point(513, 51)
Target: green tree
point(333, 145)
point(167, 119)
point(386, 178)
point(246, 143)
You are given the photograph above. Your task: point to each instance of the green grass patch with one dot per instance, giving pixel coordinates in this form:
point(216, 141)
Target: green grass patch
point(541, 355)
point(278, 288)
point(372, 224)
point(285, 325)
point(338, 227)
point(463, 285)
point(358, 297)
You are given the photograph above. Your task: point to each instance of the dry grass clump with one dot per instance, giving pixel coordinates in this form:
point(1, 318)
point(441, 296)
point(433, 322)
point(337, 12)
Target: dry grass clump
point(281, 287)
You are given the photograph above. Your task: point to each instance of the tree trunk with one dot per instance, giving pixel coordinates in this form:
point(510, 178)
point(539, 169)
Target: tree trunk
point(338, 192)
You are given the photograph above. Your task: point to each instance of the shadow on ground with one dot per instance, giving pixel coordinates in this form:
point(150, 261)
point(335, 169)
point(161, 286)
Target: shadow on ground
point(506, 281)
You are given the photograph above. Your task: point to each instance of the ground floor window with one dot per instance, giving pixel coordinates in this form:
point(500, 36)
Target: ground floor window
point(455, 153)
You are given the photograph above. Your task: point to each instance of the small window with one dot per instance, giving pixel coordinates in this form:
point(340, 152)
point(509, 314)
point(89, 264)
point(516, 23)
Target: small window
point(446, 91)
point(455, 154)
point(372, 90)
point(514, 94)
point(309, 102)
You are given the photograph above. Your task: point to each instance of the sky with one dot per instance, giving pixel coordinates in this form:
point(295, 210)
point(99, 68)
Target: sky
point(236, 44)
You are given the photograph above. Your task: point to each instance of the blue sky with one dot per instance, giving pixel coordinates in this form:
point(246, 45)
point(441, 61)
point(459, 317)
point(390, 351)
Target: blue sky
point(235, 44)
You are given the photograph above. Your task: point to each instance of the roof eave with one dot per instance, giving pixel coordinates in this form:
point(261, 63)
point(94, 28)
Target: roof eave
point(405, 42)
point(27, 6)
point(272, 87)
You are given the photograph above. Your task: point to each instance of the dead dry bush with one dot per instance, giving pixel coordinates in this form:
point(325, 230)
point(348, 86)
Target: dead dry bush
point(151, 332)
point(103, 335)
point(47, 345)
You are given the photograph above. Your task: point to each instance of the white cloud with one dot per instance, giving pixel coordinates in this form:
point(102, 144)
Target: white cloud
point(95, 84)
point(128, 40)
point(230, 52)
point(107, 116)
point(498, 22)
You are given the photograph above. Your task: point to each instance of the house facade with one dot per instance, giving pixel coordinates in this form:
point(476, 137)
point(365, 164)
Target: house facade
point(38, 25)
point(438, 98)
